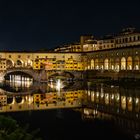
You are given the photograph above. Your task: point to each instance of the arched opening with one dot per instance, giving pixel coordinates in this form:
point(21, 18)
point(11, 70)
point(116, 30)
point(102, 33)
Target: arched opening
point(101, 66)
point(29, 63)
point(117, 66)
point(92, 64)
point(9, 63)
point(136, 63)
point(19, 63)
point(112, 64)
point(10, 100)
point(106, 64)
point(17, 81)
point(123, 63)
point(89, 65)
point(129, 63)
point(96, 64)
point(123, 102)
point(18, 99)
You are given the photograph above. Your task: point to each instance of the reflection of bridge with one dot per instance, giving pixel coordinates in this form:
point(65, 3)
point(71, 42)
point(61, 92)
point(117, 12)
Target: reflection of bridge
point(27, 107)
point(50, 100)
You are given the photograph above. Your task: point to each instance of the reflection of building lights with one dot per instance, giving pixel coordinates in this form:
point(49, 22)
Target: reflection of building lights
point(102, 95)
point(21, 101)
point(130, 99)
point(86, 112)
point(123, 99)
point(107, 96)
point(117, 97)
point(97, 94)
point(137, 100)
point(88, 92)
point(30, 99)
point(13, 102)
point(112, 97)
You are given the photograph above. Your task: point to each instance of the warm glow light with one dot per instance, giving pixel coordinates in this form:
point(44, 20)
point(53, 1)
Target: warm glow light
point(137, 100)
point(112, 97)
point(97, 94)
point(102, 95)
point(130, 99)
point(58, 85)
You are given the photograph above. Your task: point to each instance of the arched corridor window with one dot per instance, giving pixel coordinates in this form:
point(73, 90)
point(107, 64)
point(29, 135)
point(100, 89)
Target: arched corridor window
point(112, 64)
point(117, 64)
point(19, 63)
point(123, 63)
point(96, 64)
point(92, 64)
point(29, 63)
point(106, 64)
point(101, 65)
point(136, 63)
point(89, 66)
point(129, 63)
point(9, 63)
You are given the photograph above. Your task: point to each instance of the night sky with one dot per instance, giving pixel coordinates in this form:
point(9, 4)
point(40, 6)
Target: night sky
point(45, 24)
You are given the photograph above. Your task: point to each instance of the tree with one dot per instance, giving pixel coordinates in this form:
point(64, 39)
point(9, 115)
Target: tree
point(10, 130)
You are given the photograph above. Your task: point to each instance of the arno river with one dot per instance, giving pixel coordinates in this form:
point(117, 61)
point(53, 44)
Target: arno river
point(107, 110)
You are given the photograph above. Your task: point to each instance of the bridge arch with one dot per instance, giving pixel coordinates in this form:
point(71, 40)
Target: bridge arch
point(63, 74)
point(28, 71)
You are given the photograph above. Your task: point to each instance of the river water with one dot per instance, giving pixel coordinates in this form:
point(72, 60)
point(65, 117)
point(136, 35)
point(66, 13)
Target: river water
point(107, 111)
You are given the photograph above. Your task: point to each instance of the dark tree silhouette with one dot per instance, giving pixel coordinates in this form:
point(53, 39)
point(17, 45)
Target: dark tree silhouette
point(10, 130)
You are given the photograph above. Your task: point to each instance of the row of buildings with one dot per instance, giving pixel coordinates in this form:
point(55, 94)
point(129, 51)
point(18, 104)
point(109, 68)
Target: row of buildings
point(41, 60)
point(127, 37)
point(117, 52)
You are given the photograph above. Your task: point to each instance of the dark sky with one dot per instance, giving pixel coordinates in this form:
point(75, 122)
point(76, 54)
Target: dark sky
point(45, 24)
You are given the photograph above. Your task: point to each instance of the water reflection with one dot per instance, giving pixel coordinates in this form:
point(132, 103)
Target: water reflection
point(97, 100)
point(121, 104)
point(17, 83)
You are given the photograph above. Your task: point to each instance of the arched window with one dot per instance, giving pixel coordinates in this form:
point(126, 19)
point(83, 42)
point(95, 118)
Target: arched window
point(101, 65)
point(96, 64)
point(106, 64)
point(112, 63)
point(117, 64)
point(89, 65)
point(19, 63)
point(123, 63)
point(9, 63)
point(92, 64)
point(129, 63)
point(136, 63)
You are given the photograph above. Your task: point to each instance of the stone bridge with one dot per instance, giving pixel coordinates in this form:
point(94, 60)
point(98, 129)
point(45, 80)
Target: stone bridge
point(36, 75)
point(42, 75)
